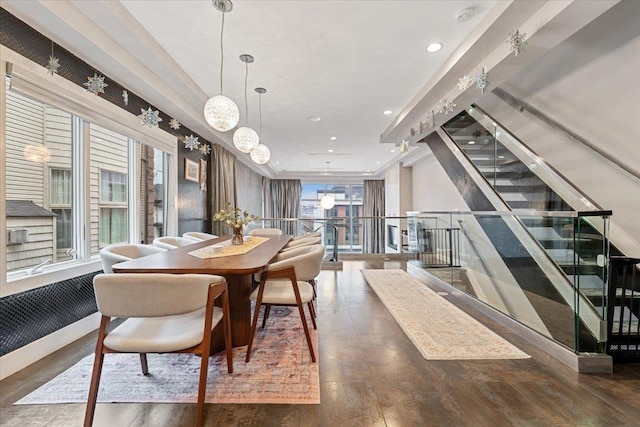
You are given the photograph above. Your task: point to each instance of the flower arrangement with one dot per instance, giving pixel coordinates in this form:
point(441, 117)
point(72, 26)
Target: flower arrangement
point(236, 219)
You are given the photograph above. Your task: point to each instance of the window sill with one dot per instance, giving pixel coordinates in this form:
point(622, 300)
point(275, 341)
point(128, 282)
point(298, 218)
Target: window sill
point(24, 282)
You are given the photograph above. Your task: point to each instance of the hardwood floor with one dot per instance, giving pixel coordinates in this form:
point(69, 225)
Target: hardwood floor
point(372, 375)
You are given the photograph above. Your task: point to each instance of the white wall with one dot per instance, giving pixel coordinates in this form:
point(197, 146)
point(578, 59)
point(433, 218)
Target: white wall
point(432, 188)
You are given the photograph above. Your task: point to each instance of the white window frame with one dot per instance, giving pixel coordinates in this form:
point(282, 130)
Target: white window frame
point(31, 80)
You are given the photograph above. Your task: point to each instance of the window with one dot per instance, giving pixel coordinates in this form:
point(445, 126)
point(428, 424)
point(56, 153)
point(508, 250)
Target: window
point(60, 203)
point(45, 157)
point(347, 208)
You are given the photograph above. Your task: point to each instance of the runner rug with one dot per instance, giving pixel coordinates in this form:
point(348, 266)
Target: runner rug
point(280, 371)
point(438, 329)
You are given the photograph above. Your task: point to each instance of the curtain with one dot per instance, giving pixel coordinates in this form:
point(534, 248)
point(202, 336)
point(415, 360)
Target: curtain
point(222, 185)
point(373, 206)
point(284, 202)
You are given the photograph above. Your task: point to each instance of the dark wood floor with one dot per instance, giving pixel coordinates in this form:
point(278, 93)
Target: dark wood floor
point(372, 375)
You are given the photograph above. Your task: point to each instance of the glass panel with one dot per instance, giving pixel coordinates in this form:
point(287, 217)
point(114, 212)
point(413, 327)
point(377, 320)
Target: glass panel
point(151, 191)
point(108, 173)
point(38, 183)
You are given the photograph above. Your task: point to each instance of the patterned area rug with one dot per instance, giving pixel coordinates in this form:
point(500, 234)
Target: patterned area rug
point(280, 371)
point(437, 328)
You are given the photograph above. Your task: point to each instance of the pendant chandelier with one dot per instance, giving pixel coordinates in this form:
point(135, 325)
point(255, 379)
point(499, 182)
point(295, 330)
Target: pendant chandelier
point(261, 154)
point(327, 201)
point(244, 138)
point(221, 112)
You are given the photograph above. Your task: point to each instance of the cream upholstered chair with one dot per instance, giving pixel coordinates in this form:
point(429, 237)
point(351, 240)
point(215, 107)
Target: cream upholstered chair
point(198, 236)
point(169, 243)
point(284, 282)
point(302, 242)
point(113, 254)
point(307, 235)
point(265, 232)
point(166, 313)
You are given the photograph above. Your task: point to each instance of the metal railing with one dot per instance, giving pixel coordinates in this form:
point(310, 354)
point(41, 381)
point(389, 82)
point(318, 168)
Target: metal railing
point(623, 309)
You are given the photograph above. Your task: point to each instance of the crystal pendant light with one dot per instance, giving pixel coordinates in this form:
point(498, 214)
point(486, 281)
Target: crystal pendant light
point(244, 138)
point(327, 201)
point(261, 154)
point(221, 112)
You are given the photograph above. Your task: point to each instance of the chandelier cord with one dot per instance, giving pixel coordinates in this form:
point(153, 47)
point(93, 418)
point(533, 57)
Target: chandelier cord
point(260, 106)
point(221, 51)
point(246, 103)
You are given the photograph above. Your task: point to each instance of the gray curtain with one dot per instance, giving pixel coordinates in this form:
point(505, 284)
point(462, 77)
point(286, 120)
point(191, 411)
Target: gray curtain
point(223, 185)
point(283, 201)
point(373, 206)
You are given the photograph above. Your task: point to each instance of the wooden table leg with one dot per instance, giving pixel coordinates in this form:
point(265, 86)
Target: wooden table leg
point(240, 308)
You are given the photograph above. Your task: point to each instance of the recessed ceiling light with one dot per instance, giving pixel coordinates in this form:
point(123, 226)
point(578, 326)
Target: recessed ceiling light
point(501, 157)
point(313, 119)
point(434, 47)
point(377, 163)
point(333, 138)
point(330, 150)
point(471, 142)
point(393, 151)
point(387, 112)
point(277, 163)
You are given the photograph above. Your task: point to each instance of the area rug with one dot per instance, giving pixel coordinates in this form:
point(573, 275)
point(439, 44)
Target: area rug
point(438, 329)
point(280, 371)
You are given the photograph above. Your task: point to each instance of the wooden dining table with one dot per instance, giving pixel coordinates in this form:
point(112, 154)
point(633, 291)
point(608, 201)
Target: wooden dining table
point(238, 270)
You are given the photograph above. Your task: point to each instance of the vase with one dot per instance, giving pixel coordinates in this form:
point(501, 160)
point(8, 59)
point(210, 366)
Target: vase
point(237, 239)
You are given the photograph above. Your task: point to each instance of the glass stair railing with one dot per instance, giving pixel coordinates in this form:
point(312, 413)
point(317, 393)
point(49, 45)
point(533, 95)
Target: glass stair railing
point(524, 182)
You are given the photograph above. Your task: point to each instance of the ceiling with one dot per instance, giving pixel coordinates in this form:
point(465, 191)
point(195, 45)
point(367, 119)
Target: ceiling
point(343, 61)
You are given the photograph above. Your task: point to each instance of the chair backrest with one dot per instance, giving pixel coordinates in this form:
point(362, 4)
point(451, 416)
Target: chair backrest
point(172, 242)
point(302, 242)
point(151, 295)
point(265, 232)
point(307, 263)
point(198, 236)
point(307, 235)
point(113, 254)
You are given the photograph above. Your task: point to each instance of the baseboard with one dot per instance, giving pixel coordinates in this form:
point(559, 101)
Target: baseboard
point(360, 257)
point(19, 359)
point(583, 362)
point(332, 265)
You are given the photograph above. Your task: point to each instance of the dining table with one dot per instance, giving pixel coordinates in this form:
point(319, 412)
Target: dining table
point(238, 270)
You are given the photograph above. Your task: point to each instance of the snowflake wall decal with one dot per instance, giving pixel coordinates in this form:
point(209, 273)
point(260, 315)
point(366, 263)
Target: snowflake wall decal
point(191, 142)
point(431, 119)
point(517, 41)
point(125, 97)
point(446, 106)
point(53, 65)
point(205, 149)
point(404, 146)
point(95, 84)
point(412, 131)
point(174, 124)
point(465, 82)
point(149, 117)
point(422, 127)
point(481, 79)
point(477, 133)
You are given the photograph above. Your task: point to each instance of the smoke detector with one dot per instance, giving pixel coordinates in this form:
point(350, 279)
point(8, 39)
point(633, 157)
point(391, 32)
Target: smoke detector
point(464, 15)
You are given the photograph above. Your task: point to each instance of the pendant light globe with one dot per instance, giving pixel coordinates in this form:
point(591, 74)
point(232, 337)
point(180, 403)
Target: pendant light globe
point(246, 139)
point(261, 154)
point(327, 202)
point(221, 113)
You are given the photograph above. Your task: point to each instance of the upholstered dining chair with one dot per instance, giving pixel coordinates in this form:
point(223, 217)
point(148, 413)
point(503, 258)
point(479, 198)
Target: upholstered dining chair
point(169, 243)
point(265, 232)
point(284, 283)
point(307, 235)
point(165, 313)
point(198, 236)
point(113, 254)
point(310, 241)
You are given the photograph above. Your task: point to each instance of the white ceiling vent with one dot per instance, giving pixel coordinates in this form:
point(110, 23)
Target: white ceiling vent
point(464, 15)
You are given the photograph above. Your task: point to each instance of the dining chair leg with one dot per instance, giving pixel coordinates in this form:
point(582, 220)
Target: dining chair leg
point(307, 334)
point(202, 385)
point(226, 324)
point(312, 312)
point(254, 323)
point(97, 372)
point(267, 310)
point(144, 364)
